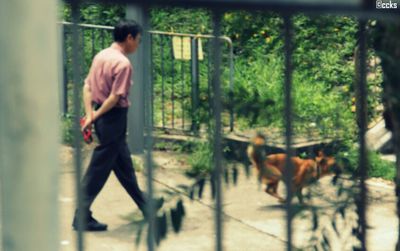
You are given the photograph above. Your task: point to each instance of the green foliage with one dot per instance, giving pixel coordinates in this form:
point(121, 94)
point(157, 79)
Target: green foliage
point(380, 168)
point(195, 21)
point(253, 33)
point(259, 99)
point(257, 86)
point(377, 167)
point(100, 14)
point(201, 160)
point(318, 108)
point(324, 48)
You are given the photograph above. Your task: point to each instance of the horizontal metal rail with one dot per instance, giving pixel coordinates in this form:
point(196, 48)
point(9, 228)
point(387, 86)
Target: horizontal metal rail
point(94, 26)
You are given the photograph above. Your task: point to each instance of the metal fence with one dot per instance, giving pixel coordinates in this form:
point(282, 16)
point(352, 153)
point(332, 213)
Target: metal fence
point(180, 70)
point(100, 37)
point(176, 101)
point(364, 10)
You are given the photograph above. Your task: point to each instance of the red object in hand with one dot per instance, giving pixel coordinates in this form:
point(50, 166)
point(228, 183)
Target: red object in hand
point(87, 133)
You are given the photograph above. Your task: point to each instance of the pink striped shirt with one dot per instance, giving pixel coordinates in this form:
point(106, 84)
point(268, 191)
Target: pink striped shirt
point(110, 72)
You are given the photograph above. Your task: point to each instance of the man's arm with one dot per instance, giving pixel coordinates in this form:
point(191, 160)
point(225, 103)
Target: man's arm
point(107, 105)
point(91, 115)
point(87, 101)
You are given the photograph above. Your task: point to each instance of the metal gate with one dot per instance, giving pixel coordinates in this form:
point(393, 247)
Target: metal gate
point(157, 97)
point(181, 82)
point(364, 10)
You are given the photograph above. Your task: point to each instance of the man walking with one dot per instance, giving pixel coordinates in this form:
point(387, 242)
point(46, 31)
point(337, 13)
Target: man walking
point(105, 95)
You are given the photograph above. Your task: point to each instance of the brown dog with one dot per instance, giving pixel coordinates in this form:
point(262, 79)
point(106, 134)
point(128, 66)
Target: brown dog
point(270, 168)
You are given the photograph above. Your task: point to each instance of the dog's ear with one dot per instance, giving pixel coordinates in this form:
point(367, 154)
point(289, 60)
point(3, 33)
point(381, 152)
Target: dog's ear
point(259, 139)
point(320, 153)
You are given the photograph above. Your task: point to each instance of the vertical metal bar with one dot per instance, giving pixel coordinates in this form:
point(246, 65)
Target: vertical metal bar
point(195, 85)
point(183, 86)
point(173, 85)
point(77, 69)
point(209, 82)
point(362, 121)
point(83, 54)
point(102, 39)
point(136, 116)
point(217, 107)
point(93, 46)
point(65, 70)
point(149, 127)
point(231, 78)
point(162, 81)
point(153, 75)
point(288, 174)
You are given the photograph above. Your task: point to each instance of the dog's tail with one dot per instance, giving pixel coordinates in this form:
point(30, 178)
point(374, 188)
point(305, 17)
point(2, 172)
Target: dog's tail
point(256, 150)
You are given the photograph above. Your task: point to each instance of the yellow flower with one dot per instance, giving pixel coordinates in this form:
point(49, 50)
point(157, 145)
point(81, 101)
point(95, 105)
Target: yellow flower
point(268, 39)
point(353, 108)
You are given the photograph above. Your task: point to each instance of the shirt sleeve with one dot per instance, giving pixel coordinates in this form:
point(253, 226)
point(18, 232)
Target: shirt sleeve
point(122, 79)
point(89, 77)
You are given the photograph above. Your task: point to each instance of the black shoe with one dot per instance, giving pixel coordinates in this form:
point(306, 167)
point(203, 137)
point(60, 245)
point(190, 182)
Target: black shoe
point(91, 224)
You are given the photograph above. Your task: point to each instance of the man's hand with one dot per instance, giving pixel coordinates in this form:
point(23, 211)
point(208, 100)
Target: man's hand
point(86, 128)
point(92, 115)
point(87, 121)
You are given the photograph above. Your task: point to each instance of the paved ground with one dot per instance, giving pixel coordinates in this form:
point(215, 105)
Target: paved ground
point(252, 220)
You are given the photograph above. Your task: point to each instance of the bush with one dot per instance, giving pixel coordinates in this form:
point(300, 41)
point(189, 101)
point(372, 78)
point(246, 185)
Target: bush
point(377, 166)
point(318, 108)
point(67, 129)
point(259, 99)
point(201, 160)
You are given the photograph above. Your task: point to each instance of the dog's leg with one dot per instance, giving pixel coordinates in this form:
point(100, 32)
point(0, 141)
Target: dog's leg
point(299, 195)
point(299, 181)
point(274, 175)
point(275, 190)
point(271, 189)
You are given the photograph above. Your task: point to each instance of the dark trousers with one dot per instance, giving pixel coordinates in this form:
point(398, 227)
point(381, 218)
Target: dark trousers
point(111, 155)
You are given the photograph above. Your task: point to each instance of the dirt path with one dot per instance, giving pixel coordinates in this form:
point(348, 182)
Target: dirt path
point(252, 220)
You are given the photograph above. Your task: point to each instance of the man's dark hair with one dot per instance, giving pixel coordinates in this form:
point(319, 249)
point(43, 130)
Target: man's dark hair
point(124, 28)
